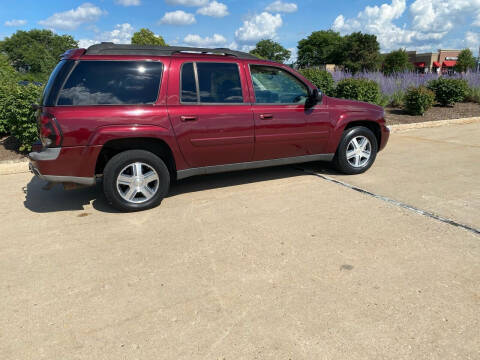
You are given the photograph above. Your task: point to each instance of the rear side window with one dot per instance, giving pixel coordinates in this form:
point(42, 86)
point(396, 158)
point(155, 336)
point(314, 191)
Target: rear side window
point(112, 83)
point(55, 82)
point(189, 88)
point(218, 83)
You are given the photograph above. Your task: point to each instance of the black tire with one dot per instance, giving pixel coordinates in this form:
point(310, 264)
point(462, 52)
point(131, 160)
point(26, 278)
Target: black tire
point(340, 160)
point(121, 161)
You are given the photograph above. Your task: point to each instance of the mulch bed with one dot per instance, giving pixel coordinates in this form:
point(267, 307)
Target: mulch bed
point(460, 110)
point(9, 146)
point(9, 149)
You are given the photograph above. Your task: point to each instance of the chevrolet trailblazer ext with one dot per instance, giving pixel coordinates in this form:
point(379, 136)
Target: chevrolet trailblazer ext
point(140, 116)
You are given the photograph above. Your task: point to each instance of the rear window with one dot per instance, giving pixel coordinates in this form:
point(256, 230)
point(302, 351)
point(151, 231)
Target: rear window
point(112, 83)
point(219, 83)
point(55, 82)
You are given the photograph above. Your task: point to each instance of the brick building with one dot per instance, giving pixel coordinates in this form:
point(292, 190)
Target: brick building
point(442, 61)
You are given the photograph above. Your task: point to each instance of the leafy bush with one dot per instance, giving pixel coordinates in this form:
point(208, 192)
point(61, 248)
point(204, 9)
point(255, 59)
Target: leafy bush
point(359, 89)
point(473, 95)
point(8, 77)
point(4, 91)
point(322, 79)
point(418, 100)
point(19, 114)
point(383, 100)
point(448, 91)
point(397, 99)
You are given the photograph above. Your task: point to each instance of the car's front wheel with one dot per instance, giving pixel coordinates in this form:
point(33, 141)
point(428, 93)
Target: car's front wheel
point(135, 180)
point(357, 150)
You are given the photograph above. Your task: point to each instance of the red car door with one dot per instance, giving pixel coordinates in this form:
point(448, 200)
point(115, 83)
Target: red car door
point(210, 113)
point(284, 127)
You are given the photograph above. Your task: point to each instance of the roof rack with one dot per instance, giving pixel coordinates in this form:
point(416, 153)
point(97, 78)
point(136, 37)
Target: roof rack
point(108, 48)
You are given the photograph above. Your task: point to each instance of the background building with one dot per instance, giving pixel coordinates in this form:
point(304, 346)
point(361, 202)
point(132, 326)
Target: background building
point(442, 61)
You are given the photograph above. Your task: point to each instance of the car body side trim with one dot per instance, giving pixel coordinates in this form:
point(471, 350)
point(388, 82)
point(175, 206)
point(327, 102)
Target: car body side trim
point(182, 174)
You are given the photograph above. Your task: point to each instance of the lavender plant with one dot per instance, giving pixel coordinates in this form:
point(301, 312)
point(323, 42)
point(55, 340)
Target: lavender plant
point(394, 87)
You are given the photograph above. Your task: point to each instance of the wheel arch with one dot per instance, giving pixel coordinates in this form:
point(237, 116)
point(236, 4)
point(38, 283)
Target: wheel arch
point(369, 124)
point(154, 145)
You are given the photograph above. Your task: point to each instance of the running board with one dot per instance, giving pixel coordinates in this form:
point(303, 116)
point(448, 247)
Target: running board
point(182, 174)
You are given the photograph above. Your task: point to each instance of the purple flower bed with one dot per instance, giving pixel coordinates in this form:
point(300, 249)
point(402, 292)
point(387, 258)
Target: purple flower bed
point(399, 83)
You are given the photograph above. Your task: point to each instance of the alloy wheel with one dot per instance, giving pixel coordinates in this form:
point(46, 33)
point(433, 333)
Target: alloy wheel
point(359, 150)
point(137, 182)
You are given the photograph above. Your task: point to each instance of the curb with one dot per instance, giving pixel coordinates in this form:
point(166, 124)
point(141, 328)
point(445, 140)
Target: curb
point(429, 124)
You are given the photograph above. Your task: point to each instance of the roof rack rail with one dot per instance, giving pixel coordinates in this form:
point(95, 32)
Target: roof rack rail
point(108, 48)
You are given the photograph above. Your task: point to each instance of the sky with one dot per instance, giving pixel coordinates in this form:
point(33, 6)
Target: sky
point(422, 25)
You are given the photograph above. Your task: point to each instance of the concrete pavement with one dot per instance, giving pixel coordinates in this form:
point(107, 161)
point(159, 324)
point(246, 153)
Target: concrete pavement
point(265, 264)
point(435, 169)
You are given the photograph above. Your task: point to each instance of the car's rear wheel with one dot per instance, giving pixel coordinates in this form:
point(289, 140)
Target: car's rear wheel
point(135, 180)
point(357, 150)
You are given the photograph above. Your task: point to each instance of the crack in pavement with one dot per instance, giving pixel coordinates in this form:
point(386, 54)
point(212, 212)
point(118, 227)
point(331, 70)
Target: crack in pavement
point(395, 202)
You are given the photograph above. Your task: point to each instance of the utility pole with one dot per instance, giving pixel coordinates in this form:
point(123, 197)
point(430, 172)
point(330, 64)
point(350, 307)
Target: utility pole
point(478, 60)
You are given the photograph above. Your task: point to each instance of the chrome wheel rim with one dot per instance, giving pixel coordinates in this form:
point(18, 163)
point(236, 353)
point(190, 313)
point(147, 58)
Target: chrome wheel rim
point(137, 182)
point(359, 150)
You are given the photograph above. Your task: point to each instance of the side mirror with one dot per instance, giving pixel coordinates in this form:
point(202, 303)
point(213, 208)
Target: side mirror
point(35, 107)
point(314, 98)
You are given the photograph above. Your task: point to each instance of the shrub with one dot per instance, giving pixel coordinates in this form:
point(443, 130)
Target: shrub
point(359, 89)
point(322, 79)
point(418, 100)
point(4, 91)
point(473, 95)
point(8, 78)
point(448, 91)
point(19, 114)
point(397, 99)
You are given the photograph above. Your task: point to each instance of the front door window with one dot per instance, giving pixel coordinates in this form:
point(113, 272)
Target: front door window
point(276, 86)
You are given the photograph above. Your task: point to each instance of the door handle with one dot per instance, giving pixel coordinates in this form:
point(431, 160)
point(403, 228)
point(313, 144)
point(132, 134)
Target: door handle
point(188, 118)
point(266, 116)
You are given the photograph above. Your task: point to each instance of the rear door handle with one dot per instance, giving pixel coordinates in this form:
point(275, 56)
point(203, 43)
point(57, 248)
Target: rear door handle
point(266, 116)
point(188, 118)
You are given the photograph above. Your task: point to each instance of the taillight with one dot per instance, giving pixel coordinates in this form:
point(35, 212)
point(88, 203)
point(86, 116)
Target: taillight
point(50, 133)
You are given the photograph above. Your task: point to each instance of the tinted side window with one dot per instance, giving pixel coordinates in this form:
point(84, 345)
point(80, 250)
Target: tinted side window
point(55, 82)
point(219, 83)
point(277, 86)
point(112, 83)
point(189, 88)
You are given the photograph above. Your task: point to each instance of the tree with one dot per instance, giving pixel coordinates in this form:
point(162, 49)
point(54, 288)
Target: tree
point(361, 52)
point(396, 62)
point(271, 50)
point(147, 37)
point(321, 47)
point(7, 72)
point(36, 51)
point(465, 61)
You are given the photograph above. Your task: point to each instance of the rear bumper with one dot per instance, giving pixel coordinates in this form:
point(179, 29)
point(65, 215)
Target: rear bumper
point(62, 179)
point(65, 165)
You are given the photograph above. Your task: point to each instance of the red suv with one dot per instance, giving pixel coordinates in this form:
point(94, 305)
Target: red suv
point(139, 117)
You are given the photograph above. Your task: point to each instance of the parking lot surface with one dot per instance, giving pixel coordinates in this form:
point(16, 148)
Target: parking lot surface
point(267, 264)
